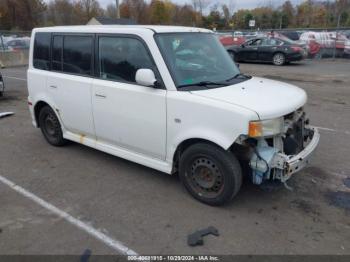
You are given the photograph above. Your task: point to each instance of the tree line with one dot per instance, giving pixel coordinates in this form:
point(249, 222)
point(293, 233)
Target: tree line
point(27, 14)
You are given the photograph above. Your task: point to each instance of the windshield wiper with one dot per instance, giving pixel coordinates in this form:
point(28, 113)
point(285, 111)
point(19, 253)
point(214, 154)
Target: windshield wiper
point(224, 83)
point(239, 75)
point(204, 83)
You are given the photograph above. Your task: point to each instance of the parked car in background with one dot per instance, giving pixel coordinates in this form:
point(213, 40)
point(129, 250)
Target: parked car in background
point(18, 44)
point(292, 35)
point(347, 48)
point(238, 34)
point(323, 44)
point(346, 33)
point(226, 39)
point(239, 40)
point(268, 49)
point(250, 34)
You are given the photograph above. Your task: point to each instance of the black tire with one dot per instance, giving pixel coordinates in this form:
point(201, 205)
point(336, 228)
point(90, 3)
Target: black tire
point(210, 174)
point(51, 127)
point(279, 59)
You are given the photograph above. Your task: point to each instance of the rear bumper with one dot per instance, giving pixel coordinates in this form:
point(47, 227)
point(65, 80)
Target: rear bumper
point(31, 111)
point(295, 57)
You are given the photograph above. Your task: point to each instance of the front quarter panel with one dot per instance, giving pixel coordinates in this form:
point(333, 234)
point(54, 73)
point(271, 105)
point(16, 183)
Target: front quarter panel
point(190, 116)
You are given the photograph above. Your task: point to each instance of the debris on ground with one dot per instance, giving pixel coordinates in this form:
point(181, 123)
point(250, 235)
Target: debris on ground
point(196, 238)
point(5, 114)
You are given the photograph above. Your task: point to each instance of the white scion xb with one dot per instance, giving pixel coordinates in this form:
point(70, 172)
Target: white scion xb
point(169, 98)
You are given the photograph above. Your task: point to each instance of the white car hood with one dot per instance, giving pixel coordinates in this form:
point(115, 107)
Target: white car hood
point(268, 98)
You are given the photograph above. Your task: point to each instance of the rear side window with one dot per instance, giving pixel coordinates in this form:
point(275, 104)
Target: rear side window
point(57, 46)
point(271, 42)
point(120, 58)
point(41, 56)
point(77, 55)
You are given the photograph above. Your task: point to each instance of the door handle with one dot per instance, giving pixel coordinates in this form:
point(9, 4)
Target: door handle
point(100, 96)
point(53, 87)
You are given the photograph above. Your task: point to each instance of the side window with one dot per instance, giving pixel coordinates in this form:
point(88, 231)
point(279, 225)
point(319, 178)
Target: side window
point(256, 42)
point(250, 42)
point(274, 42)
point(57, 46)
point(120, 58)
point(77, 54)
point(41, 55)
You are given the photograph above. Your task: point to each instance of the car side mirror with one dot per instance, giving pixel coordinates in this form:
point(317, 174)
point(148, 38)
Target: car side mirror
point(146, 77)
point(242, 46)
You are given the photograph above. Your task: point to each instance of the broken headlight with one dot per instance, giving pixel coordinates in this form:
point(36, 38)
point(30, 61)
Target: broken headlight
point(264, 128)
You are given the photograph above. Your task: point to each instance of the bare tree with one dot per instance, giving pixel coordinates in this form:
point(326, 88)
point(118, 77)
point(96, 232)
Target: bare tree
point(90, 8)
point(111, 11)
point(227, 10)
point(200, 5)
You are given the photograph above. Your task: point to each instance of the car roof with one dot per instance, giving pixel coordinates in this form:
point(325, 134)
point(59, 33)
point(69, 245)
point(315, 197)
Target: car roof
point(122, 29)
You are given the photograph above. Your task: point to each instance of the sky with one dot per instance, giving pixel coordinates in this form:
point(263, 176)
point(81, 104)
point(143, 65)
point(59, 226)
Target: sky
point(238, 3)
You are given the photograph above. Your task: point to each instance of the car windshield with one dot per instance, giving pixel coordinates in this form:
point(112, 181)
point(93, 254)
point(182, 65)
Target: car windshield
point(197, 59)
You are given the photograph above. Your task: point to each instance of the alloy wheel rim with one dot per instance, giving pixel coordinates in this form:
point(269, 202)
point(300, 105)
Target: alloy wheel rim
point(278, 59)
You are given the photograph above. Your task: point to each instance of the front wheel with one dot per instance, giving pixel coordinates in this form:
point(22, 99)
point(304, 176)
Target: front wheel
point(210, 174)
point(279, 59)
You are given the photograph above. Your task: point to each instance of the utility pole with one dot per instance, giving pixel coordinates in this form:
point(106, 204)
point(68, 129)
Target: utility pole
point(118, 10)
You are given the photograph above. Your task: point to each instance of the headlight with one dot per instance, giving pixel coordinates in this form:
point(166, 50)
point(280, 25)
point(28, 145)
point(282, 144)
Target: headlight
point(266, 127)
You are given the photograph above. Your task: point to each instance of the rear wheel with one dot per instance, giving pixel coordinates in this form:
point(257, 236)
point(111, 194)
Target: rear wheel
point(210, 174)
point(51, 127)
point(279, 59)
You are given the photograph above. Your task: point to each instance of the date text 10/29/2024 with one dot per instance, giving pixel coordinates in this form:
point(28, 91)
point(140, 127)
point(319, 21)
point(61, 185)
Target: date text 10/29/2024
point(173, 258)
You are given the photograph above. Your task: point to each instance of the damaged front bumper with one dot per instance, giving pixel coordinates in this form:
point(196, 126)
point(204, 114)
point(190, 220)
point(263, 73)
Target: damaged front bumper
point(294, 163)
point(269, 162)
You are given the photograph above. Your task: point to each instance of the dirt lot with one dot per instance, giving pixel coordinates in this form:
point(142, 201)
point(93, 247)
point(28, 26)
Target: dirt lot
point(150, 212)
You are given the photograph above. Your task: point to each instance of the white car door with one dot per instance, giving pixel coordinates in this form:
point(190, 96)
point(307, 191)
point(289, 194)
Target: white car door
point(126, 114)
point(70, 82)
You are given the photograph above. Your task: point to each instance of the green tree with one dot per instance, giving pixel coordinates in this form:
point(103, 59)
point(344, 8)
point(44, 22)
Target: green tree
point(247, 18)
